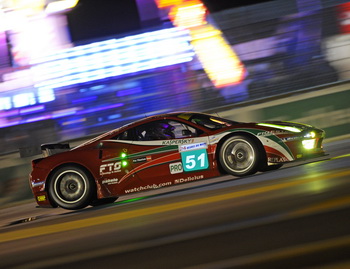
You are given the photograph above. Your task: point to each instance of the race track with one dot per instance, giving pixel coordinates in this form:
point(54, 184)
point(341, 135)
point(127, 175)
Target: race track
point(295, 217)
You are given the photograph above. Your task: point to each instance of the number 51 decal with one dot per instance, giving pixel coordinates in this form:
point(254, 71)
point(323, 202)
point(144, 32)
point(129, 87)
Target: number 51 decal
point(195, 160)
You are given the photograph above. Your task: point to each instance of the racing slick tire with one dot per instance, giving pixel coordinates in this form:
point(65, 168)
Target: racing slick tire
point(240, 156)
point(71, 187)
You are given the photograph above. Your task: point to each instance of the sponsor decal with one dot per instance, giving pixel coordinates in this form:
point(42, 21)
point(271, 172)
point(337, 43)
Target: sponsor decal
point(202, 145)
point(178, 142)
point(149, 187)
point(176, 168)
point(110, 181)
point(142, 159)
point(286, 139)
point(188, 179)
point(37, 184)
point(277, 159)
point(214, 139)
point(139, 160)
point(41, 198)
point(273, 132)
point(110, 168)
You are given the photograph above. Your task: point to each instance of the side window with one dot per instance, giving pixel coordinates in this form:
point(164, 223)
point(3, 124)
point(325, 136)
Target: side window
point(182, 130)
point(159, 130)
point(126, 135)
point(156, 130)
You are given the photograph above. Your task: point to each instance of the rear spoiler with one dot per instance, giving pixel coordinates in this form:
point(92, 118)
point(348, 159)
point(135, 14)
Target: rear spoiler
point(45, 149)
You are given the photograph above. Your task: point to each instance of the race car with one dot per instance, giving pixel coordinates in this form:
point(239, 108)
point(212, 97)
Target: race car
point(165, 150)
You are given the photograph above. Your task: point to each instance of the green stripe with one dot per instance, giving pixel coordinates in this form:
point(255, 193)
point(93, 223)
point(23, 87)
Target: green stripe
point(146, 152)
point(271, 136)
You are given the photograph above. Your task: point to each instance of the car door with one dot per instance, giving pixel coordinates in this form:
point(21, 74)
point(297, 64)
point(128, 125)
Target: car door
point(155, 155)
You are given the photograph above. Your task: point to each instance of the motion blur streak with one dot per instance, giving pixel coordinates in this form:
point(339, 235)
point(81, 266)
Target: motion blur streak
point(27, 233)
point(274, 255)
point(218, 59)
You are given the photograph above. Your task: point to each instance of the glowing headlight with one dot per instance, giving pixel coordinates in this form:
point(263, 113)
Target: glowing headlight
point(310, 135)
point(309, 143)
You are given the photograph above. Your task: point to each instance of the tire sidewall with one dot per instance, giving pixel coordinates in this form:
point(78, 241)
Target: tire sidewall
point(254, 146)
point(84, 199)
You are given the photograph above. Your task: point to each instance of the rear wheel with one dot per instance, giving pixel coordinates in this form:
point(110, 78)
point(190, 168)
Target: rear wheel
point(240, 155)
point(71, 187)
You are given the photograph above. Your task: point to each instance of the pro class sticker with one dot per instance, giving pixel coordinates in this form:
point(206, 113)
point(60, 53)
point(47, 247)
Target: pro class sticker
point(176, 168)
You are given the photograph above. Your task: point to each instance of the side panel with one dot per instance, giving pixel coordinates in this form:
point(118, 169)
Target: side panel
point(162, 163)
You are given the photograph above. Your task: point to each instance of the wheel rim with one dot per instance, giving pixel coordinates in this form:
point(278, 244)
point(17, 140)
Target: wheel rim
point(70, 186)
point(239, 156)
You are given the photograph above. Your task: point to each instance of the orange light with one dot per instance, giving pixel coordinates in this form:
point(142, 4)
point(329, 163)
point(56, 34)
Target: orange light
point(219, 61)
point(188, 15)
point(168, 3)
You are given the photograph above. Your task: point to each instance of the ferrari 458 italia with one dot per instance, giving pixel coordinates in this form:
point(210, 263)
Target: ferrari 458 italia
point(165, 150)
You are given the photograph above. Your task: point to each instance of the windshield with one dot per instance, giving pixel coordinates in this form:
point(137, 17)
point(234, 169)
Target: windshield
point(211, 122)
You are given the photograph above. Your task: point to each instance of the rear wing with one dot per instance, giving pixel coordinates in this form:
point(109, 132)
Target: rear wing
point(45, 149)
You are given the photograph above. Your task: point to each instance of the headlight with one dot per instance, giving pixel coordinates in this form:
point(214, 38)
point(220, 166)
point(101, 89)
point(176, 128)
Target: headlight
point(309, 143)
point(310, 135)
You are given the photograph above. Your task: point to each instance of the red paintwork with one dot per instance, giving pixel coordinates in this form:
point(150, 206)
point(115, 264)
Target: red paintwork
point(142, 174)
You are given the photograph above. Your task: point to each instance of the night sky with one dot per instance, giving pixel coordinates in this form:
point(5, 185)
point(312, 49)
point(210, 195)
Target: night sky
point(92, 19)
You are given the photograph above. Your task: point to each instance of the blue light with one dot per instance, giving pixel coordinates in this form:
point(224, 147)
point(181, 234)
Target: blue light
point(113, 57)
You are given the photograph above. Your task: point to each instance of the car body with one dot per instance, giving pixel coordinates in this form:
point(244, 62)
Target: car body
point(165, 150)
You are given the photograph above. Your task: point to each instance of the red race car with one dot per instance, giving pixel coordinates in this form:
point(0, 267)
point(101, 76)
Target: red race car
point(165, 150)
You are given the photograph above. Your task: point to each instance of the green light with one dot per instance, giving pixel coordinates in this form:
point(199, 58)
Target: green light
point(124, 163)
point(132, 200)
point(287, 128)
point(123, 155)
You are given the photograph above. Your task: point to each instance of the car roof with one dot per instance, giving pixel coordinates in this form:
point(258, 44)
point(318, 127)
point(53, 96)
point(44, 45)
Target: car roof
point(188, 114)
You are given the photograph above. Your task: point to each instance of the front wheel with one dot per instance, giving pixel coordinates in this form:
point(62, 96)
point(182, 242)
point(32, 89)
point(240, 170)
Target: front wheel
point(71, 187)
point(239, 156)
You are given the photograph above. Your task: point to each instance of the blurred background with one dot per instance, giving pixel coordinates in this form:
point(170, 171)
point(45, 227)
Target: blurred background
point(73, 69)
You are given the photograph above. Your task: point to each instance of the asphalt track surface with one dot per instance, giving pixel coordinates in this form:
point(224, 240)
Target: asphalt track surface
point(295, 217)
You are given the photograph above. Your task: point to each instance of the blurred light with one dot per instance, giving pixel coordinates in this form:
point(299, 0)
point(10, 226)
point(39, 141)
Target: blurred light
point(59, 6)
point(221, 64)
point(5, 103)
point(168, 3)
point(218, 59)
point(113, 57)
point(287, 128)
point(188, 15)
point(29, 7)
point(24, 99)
point(46, 95)
point(76, 121)
point(309, 143)
point(32, 109)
